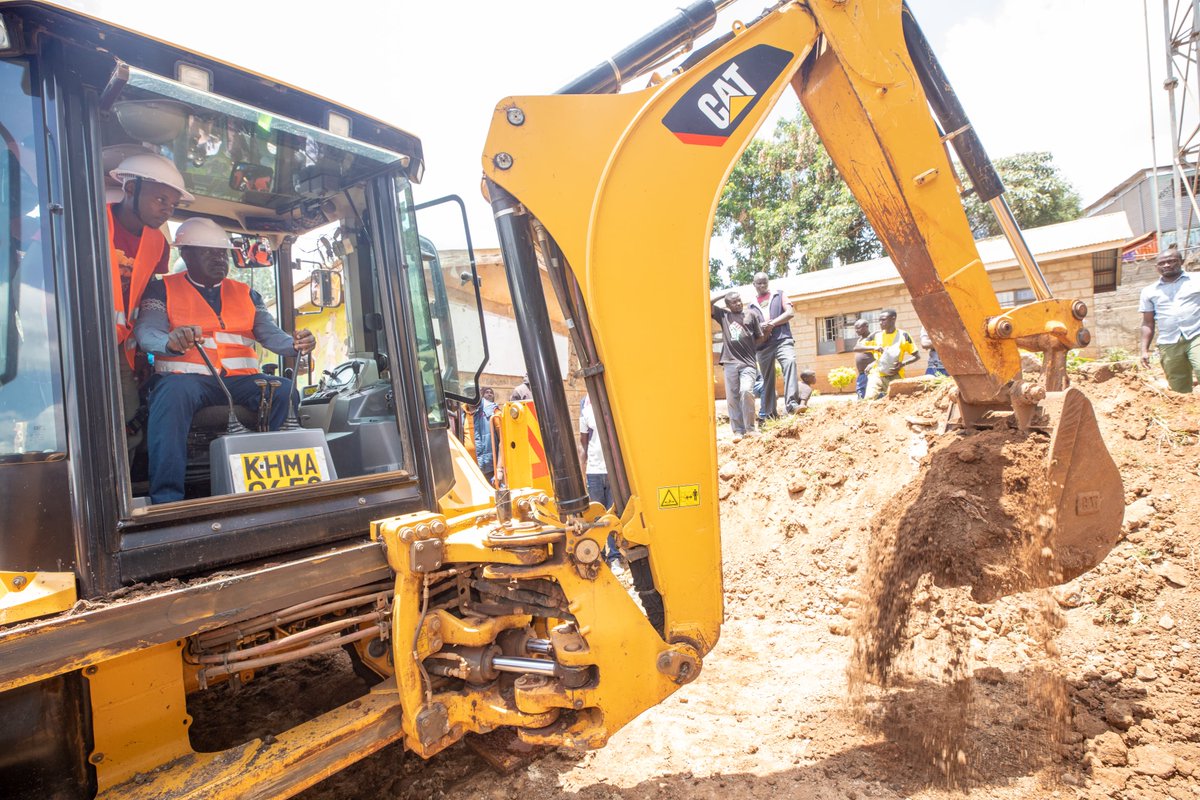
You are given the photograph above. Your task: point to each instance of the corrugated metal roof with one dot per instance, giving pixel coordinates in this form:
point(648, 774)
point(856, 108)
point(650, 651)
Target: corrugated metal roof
point(1087, 232)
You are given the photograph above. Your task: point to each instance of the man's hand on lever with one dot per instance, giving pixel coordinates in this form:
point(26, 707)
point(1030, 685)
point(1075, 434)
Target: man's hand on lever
point(304, 341)
point(184, 338)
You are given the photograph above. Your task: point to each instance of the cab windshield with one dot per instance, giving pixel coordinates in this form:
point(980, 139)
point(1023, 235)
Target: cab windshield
point(300, 206)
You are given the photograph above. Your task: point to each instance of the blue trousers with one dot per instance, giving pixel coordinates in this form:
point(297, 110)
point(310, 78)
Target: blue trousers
point(600, 492)
point(174, 400)
point(860, 385)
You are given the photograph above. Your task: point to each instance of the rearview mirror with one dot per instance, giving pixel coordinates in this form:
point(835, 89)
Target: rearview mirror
point(248, 177)
point(326, 288)
point(251, 251)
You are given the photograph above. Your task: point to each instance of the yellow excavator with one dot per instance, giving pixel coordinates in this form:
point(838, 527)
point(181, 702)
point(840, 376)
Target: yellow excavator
point(475, 611)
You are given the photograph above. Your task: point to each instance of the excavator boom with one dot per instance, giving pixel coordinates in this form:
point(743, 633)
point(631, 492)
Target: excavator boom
point(616, 192)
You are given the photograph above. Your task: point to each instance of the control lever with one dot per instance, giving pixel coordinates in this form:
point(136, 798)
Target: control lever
point(264, 411)
point(274, 383)
point(233, 426)
point(292, 423)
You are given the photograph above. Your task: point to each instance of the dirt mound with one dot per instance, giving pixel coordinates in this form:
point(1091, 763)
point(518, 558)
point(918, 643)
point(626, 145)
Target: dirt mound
point(1085, 690)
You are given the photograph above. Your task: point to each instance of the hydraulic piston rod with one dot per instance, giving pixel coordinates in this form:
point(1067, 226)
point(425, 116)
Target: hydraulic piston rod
point(660, 44)
point(535, 666)
point(985, 181)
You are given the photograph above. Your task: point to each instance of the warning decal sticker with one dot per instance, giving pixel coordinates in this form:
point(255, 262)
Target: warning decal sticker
point(682, 496)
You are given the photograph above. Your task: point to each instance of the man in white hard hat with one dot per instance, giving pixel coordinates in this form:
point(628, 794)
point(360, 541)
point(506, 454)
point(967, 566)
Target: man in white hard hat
point(203, 308)
point(152, 188)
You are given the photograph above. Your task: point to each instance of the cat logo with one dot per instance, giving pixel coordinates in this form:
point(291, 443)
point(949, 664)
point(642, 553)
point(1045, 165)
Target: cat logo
point(715, 106)
point(729, 96)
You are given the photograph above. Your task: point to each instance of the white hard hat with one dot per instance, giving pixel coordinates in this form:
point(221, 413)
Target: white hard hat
point(152, 167)
point(201, 232)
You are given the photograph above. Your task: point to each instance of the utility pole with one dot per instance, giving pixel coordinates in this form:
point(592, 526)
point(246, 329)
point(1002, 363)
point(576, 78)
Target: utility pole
point(1181, 31)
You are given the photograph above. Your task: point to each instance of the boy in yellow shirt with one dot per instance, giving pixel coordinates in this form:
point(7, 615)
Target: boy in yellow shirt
point(893, 348)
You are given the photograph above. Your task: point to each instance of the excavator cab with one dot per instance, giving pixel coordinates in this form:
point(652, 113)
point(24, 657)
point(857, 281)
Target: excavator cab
point(318, 200)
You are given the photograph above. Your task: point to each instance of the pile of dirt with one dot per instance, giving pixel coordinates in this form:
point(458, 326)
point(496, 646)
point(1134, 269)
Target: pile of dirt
point(867, 651)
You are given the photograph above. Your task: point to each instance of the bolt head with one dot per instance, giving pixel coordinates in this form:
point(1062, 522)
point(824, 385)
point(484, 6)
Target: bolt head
point(19, 581)
point(1084, 338)
point(503, 161)
point(515, 116)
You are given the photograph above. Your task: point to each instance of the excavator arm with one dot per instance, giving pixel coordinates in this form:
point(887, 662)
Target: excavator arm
point(613, 195)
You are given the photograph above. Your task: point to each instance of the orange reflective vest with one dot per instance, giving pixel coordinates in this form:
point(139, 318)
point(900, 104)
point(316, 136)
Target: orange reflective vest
point(228, 336)
point(149, 253)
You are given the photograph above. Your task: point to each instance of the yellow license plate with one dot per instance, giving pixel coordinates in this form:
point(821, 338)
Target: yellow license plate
point(277, 469)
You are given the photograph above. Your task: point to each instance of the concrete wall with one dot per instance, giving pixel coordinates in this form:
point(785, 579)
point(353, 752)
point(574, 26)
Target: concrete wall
point(1115, 314)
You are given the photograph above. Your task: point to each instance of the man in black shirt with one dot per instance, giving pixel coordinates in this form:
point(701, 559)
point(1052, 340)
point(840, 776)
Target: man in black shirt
point(741, 333)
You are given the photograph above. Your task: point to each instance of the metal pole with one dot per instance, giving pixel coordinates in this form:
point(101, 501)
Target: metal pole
point(1171, 83)
point(1153, 143)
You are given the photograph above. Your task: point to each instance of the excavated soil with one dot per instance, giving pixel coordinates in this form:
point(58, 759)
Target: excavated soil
point(867, 652)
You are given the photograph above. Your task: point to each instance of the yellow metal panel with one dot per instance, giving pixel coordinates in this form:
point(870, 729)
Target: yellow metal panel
point(520, 454)
point(639, 248)
point(619, 643)
point(25, 595)
point(470, 491)
point(139, 713)
point(271, 769)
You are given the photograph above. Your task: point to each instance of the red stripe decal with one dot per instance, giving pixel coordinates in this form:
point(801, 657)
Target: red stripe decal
point(700, 138)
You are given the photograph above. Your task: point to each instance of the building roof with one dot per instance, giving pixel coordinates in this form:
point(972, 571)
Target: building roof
point(1084, 235)
point(1141, 175)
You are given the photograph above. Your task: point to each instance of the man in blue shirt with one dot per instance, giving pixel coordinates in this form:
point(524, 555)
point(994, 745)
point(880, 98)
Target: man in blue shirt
point(1172, 305)
point(482, 418)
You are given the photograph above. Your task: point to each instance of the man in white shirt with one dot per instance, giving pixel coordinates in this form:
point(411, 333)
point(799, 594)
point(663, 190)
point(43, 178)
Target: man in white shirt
point(594, 467)
point(1172, 305)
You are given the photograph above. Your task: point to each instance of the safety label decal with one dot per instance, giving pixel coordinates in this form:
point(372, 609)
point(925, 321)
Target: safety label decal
point(682, 496)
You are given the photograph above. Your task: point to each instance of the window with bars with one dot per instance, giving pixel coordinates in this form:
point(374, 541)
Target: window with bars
point(1015, 297)
point(1106, 267)
point(836, 334)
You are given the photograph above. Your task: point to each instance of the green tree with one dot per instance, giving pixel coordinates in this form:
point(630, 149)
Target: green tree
point(1036, 191)
point(785, 209)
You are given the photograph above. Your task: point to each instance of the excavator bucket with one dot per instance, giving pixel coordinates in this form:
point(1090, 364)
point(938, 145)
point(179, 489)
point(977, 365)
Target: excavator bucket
point(1086, 498)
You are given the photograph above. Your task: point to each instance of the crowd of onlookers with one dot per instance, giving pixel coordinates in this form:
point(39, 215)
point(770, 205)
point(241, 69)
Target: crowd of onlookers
point(757, 342)
point(756, 338)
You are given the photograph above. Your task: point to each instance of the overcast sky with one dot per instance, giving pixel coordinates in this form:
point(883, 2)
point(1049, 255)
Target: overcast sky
point(1068, 76)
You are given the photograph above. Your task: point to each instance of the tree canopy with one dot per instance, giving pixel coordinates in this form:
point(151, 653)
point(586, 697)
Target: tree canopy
point(786, 210)
point(1036, 190)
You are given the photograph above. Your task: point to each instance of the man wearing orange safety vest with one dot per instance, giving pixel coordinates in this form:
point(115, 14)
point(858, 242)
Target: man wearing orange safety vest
point(152, 189)
point(203, 308)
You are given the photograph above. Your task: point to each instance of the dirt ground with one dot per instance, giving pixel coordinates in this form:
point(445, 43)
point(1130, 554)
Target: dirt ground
point(1084, 690)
